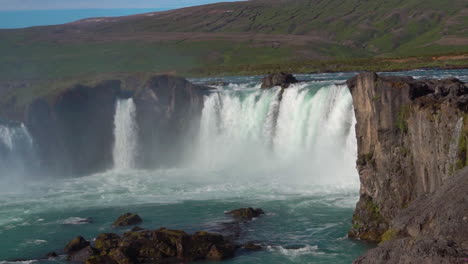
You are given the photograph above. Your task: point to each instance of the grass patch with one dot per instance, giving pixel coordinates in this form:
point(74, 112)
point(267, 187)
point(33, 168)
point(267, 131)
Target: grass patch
point(402, 117)
point(390, 234)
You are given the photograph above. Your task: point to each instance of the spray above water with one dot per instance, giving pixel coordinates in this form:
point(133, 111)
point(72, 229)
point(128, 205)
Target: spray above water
point(125, 135)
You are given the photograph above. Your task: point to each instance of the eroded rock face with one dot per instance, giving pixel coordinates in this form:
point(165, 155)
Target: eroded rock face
point(411, 137)
point(433, 229)
point(278, 79)
point(73, 129)
point(168, 113)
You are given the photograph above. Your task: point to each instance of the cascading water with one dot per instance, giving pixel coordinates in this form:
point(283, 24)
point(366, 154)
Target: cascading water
point(307, 137)
point(125, 135)
point(17, 155)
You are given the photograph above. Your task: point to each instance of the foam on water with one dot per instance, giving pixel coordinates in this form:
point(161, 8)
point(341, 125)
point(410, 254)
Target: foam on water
point(295, 252)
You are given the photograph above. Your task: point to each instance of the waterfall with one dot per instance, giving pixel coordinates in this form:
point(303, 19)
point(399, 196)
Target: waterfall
point(17, 154)
point(125, 135)
point(308, 136)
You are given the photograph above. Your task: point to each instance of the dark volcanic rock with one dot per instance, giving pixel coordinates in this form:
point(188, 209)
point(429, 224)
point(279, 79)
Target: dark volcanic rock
point(76, 245)
point(246, 213)
point(251, 246)
point(127, 219)
point(107, 241)
point(157, 246)
point(168, 113)
point(51, 255)
point(83, 254)
point(278, 79)
point(137, 228)
point(73, 129)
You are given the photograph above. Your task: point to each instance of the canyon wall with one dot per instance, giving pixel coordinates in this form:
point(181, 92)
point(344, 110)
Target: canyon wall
point(412, 142)
point(73, 127)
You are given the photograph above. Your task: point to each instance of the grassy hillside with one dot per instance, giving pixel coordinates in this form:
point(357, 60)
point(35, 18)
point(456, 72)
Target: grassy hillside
point(250, 37)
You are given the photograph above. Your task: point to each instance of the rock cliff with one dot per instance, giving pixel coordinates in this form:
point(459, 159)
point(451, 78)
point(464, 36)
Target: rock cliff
point(412, 141)
point(72, 129)
point(168, 112)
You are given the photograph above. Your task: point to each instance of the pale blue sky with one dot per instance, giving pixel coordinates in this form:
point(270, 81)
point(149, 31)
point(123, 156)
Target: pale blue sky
point(93, 4)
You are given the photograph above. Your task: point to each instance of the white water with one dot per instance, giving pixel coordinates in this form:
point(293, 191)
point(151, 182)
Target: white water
point(307, 138)
point(125, 135)
point(14, 137)
point(17, 155)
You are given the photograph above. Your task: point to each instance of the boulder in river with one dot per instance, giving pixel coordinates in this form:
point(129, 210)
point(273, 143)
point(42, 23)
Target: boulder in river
point(278, 79)
point(246, 213)
point(127, 220)
point(155, 246)
point(251, 246)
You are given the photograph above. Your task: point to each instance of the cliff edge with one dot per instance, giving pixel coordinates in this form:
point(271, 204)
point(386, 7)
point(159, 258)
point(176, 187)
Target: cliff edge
point(412, 143)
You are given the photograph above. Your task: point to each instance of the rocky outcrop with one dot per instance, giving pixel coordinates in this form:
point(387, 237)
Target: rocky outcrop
point(73, 129)
point(127, 220)
point(246, 213)
point(412, 140)
point(76, 245)
point(155, 246)
point(278, 79)
point(168, 113)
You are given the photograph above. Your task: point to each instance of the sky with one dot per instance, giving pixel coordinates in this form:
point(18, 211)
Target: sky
point(28, 13)
point(11, 5)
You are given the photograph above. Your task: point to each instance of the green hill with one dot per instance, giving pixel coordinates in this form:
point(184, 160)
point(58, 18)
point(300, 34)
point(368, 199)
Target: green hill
point(244, 38)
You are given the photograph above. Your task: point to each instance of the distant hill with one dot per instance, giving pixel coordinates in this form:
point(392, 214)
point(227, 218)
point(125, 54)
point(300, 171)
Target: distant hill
point(246, 37)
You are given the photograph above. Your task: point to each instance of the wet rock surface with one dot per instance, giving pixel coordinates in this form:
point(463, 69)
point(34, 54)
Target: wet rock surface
point(284, 80)
point(127, 220)
point(162, 245)
point(76, 245)
point(246, 213)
